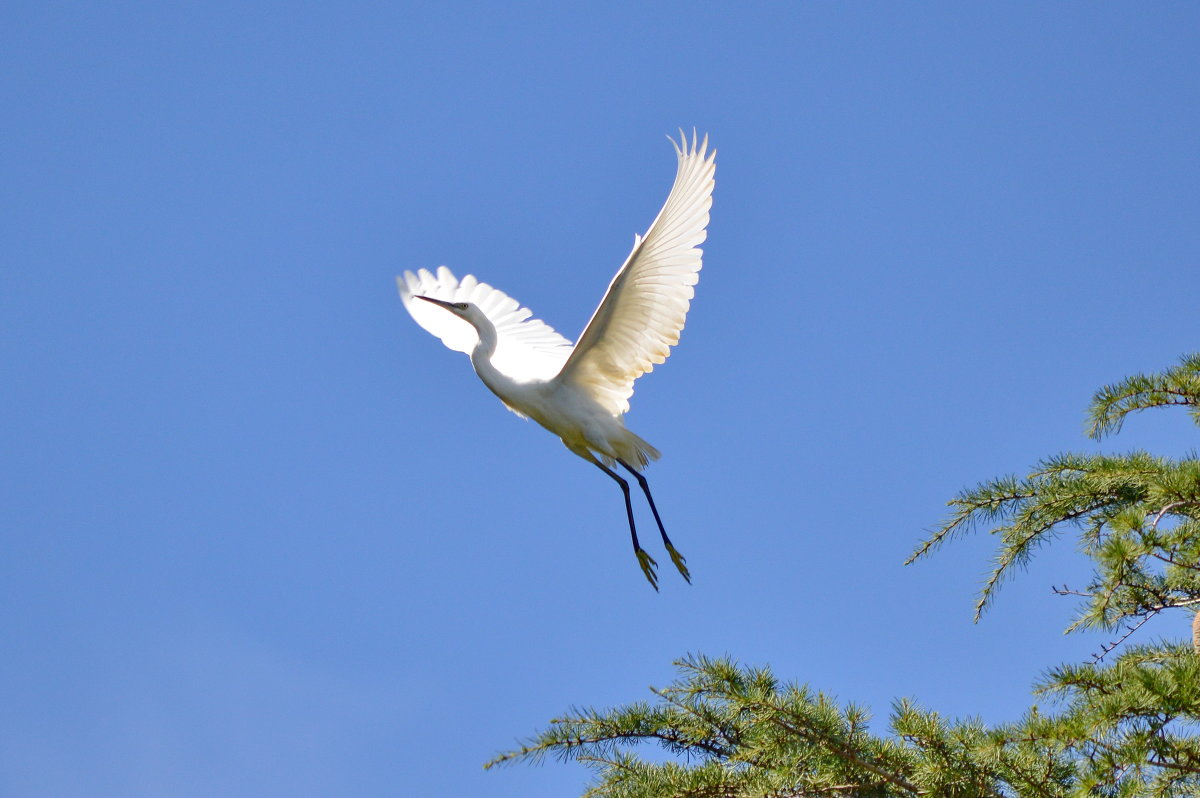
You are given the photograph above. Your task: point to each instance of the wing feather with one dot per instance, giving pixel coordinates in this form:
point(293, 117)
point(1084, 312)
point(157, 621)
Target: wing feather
point(645, 307)
point(527, 349)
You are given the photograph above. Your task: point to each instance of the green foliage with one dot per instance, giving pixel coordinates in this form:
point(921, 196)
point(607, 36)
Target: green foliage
point(1118, 729)
point(1136, 516)
point(740, 732)
point(1176, 386)
point(1130, 724)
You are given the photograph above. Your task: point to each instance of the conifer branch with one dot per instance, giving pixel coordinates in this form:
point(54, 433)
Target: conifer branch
point(1106, 648)
point(1176, 386)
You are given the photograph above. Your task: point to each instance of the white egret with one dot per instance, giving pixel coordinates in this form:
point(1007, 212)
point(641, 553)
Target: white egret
point(581, 392)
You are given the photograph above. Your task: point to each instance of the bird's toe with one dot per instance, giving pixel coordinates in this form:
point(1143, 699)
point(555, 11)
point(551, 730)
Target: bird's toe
point(680, 563)
point(648, 568)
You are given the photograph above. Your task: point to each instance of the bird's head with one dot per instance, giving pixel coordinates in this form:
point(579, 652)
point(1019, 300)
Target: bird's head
point(466, 311)
point(460, 309)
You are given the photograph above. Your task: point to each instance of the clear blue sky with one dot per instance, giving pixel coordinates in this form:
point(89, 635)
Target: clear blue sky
point(263, 536)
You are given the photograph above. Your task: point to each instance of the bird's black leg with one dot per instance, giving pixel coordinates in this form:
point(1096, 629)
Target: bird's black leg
point(644, 560)
point(676, 557)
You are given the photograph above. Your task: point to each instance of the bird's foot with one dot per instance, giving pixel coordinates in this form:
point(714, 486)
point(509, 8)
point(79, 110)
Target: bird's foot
point(648, 565)
point(680, 562)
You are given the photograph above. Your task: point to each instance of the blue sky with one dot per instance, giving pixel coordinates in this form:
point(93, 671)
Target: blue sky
point(262, 535)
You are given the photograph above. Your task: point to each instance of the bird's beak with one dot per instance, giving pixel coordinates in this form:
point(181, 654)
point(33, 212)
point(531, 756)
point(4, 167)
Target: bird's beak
point(446, 305)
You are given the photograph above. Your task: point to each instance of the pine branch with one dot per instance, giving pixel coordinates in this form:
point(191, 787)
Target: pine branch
point(1176, 386)
point(1107, 648)
point(847, 754)
point(986, 502)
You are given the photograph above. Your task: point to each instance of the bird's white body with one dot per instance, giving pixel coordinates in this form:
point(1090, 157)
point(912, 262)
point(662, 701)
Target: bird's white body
point(581, 392)
point(562, 406)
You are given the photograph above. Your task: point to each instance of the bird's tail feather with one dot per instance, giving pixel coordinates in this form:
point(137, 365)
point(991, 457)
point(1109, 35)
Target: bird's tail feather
point(645, 452)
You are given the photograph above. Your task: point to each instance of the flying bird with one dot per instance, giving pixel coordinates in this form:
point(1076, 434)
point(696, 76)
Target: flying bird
point(581, 392)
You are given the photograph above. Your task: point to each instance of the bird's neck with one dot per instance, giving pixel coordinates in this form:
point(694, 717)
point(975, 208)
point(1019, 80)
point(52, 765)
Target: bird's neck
point(481, 359)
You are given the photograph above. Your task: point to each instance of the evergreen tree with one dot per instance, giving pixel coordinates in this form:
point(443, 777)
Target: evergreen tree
point(1121, 726)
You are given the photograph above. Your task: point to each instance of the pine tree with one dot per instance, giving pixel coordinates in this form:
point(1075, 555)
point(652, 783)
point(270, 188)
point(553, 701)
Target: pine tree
point(1122, 725)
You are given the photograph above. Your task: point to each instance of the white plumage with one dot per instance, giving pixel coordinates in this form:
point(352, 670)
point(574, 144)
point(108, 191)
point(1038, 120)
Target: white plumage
point(581, 392)
point(527, 349)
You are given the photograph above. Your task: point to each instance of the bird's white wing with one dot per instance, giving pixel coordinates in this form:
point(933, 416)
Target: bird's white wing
point(527, 348)
point(642, 313)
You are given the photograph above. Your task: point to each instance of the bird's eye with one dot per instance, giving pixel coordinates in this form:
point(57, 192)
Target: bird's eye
point(460, 305)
